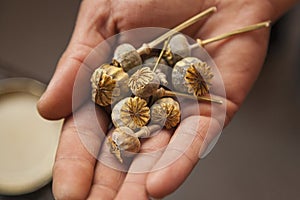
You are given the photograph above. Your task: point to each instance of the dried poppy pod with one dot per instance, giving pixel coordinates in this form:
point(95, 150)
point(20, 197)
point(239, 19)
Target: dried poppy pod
point(179, 46)
point(123, 142)
point(166, 112)
point(131, 112)
point(143, 82)
point(198, 78)
point(127, 57)
point(179, 72)
point(162, 70)
point(108, 84)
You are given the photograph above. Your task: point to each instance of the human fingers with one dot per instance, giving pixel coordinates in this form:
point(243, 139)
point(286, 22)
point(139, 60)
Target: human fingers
point(134, 185)
point(74, 164)
point(181, 155)
point(106, 183)
point(91, 28)
point(110, 173)
point(238, 58)
point(108, 177)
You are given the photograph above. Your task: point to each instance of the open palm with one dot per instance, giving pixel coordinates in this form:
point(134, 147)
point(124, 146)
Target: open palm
point(77, 173)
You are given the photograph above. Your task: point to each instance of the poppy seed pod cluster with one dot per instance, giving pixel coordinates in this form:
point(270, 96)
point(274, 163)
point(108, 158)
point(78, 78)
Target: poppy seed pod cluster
point(143, 85)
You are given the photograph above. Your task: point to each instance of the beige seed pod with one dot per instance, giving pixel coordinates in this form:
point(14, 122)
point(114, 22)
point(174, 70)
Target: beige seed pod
point(108, 84)
point(178, 48)
point(104, 88)
point(198, 78)
point(144, 82)
point(179, 72)
point(166, 112)
point(127, 57)
point(123, 142)
point(131, 112)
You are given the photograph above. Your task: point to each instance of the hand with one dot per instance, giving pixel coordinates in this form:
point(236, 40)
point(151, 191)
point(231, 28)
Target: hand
point(77, 174)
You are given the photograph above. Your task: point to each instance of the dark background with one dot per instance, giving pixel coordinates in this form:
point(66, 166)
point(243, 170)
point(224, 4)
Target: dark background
point(258, 155)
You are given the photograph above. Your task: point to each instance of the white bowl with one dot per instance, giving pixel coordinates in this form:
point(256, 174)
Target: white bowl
point(28, 142)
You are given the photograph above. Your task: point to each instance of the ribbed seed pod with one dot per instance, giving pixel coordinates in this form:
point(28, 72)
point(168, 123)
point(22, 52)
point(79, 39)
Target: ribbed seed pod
point(104, 88)
point(166, 112)
point(198, 78)
point(123, 142)
point(144, 82)
point(179, 71)
point(126, 57)
point(131, 112)
point(108, 84)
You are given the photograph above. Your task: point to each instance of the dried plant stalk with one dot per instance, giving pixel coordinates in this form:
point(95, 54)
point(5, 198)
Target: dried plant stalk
point(146, 131)
point(161, 92)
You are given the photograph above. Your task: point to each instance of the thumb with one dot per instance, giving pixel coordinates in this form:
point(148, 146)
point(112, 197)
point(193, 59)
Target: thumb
point(74, 66)
point(56, 101)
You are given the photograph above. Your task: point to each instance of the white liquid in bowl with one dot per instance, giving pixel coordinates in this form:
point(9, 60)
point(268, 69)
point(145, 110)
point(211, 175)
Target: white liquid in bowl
point(27, 144)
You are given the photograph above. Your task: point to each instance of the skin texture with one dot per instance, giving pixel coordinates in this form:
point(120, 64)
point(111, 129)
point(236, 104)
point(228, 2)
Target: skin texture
point(77, 174)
